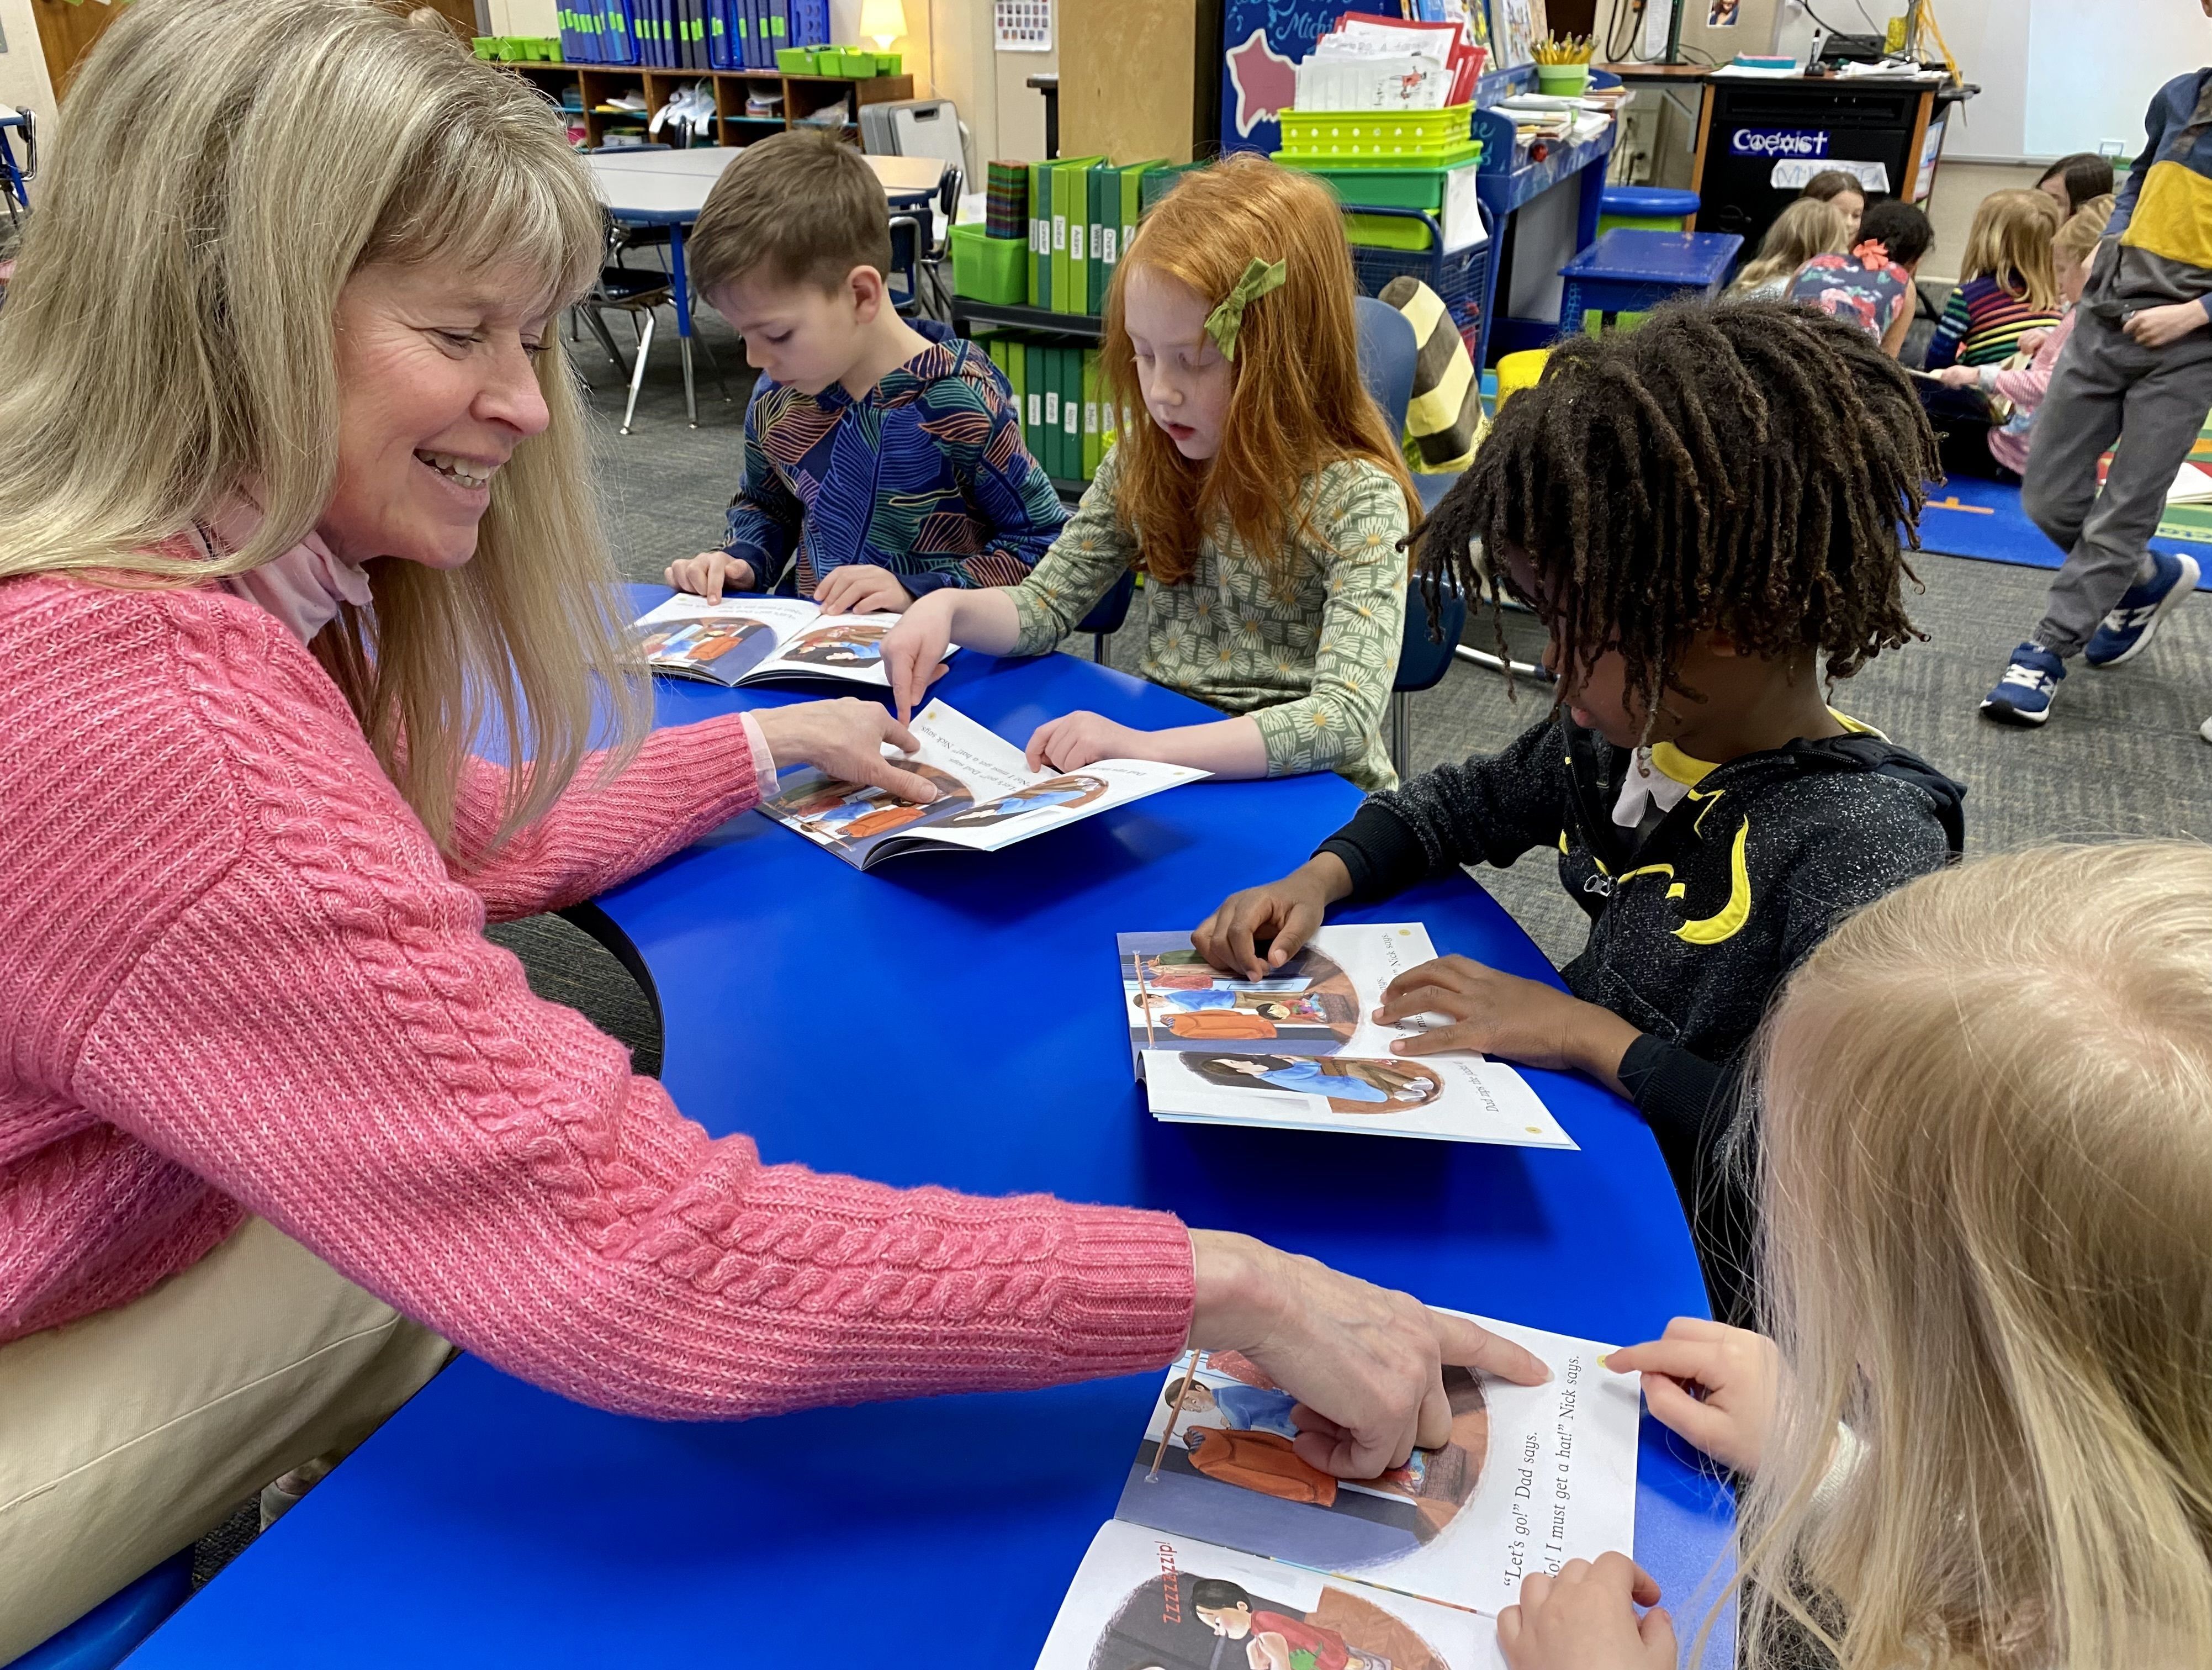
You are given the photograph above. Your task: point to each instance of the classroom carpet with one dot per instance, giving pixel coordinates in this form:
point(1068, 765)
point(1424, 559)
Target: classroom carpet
point(2120, 758)
point(1983, 520)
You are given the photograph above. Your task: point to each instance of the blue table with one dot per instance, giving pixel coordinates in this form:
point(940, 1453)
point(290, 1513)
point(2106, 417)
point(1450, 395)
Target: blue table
point(951, 1020)
point(1631, 271)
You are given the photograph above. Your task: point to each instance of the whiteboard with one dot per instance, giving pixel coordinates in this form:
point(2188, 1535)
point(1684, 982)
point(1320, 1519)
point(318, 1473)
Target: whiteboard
point(2062, 76)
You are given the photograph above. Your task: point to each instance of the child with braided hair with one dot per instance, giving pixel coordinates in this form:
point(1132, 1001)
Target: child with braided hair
point(1706, 514)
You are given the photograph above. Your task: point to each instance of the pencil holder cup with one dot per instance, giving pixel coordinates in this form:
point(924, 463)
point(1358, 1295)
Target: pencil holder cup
point(1563, 81)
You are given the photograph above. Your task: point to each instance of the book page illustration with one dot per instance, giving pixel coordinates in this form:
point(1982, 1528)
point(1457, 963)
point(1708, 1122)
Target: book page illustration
point(1531, 1478)
point(741, 639)
point(1456, 1097)
point(1142, 1600)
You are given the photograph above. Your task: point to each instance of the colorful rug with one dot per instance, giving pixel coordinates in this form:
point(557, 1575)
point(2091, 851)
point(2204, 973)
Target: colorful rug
point(1983, 520)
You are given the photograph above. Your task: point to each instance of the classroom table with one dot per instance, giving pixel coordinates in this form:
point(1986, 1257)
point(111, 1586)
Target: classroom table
point(669, 188)
point(952, 1020)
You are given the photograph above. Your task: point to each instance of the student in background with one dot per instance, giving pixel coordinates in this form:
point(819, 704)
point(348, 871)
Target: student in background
point(1705, 514)
point(884, 460)
point(2073, 182)
point(2022, 387)
point(1844, 190)
point(1805, 228)
point(2005, 282)
point(1979, 1432)
point(1266, 500)
point(1872, 286)
point(2139, 368)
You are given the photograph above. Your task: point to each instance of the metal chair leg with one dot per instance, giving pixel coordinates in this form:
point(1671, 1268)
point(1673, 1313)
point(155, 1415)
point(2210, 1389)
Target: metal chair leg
point(1099, 649)
point(690, 394)
point(714, 362)
point(598, 324)
point(1401, 716)
point(637, 374)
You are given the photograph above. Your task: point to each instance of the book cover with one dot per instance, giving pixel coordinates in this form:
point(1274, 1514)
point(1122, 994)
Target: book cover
point(987, 797)
point(749, 640)
point(1531, 1478)
point(1301, 1049)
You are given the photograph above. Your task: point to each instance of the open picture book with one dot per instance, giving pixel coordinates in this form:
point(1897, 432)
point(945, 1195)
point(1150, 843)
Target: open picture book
point(1224, 1538)
point(1301, 1049)
point(761, 640)
point(987, 796)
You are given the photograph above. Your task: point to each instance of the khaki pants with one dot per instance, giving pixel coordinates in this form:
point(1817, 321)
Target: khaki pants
point(130, 1434)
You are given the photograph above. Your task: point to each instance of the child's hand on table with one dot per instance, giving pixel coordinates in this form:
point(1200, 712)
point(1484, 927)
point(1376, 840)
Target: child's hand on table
point(1502, 1014)
point(844, 739)
point(1281, 915)
point(914, 651)
point(1585, 1620)
point(1958, 376)
point(709, 574)
point(2157, 327)
point(1077, 739)
point(861, 588)
point(1714, 1385)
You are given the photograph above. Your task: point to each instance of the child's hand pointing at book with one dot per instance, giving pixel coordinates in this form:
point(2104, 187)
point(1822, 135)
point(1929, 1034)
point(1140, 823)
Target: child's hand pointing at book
point(1503, 1014)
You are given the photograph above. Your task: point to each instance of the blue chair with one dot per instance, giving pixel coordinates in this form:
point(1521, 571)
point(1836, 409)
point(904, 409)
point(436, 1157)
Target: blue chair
point(114, 1629)
point(1422, 661)
point(1107, 614)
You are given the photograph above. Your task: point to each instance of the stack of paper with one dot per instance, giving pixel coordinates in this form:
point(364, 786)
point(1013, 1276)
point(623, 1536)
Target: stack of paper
point(1368, 62)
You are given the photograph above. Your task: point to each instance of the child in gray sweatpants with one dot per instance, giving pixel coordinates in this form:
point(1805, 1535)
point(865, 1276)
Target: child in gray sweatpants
point(2137, 371)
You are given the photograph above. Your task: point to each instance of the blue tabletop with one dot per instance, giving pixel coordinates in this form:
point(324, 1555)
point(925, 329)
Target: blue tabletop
point(949, 1019)
point(1657, 258)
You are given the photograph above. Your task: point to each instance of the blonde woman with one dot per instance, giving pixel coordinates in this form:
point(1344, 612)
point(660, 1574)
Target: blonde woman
point(1983, 1435)
point(1805, 228)
point(288, 516)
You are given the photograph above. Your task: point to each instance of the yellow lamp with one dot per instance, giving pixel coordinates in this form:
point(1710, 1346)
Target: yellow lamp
point(883, 21)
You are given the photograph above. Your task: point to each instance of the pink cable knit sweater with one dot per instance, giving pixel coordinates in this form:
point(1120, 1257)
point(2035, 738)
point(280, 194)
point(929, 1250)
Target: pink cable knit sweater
point(237, 976)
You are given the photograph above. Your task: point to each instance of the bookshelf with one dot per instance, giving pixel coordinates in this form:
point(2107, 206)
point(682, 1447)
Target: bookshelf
point(802, 95)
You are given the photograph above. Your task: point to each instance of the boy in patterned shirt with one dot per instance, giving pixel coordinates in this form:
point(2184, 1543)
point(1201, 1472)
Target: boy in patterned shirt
point(883, 459)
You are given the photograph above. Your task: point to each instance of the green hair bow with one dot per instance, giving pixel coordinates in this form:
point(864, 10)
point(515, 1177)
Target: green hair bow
point(1225, 321)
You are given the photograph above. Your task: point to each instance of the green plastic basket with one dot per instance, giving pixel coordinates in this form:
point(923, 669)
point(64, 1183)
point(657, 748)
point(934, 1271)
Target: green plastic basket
point(1431, 136)
point(1385, 185)
point(987, 269)
point(796, 61)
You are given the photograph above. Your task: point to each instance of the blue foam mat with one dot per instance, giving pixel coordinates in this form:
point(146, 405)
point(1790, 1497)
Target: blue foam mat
point(1966, 517)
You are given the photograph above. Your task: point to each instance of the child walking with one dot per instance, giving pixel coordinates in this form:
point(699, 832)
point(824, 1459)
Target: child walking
point(2022, 388)
point(1979, 1435)
point(1805, 228)
point(882, 459)
point(2139, 366)
point(1705, 511)
point(1266, 500)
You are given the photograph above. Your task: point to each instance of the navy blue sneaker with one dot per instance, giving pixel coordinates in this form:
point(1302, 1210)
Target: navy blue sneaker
point(2023, 694)
point(2125, 632)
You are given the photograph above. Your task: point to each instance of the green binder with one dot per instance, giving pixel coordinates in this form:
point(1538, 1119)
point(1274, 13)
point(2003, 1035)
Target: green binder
point(1029, 399)
point(1071, 412)
point(1132, 184)
point(1055, 465)
point(1069, 286)
point(1090, 445)
point(1040, 235)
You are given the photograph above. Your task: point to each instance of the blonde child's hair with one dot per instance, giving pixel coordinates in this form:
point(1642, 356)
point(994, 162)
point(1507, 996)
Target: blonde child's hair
point(1808, 227)
point(1987, 1218)
point(2010, 241)
point(224, 178)
point(1300, 403)
point(2084, 229)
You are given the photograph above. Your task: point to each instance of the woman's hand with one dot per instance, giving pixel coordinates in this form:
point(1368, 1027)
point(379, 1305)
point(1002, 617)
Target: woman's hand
point(1502, 1014)
point(2157, 327)
point(913, 650)
point(844, 739)
point(861, 588)
point(708, 574)
point(1077, 739)
point(1364, 1363)
point(1281, 915)
point(1714, 1385)
point(1585, 1620)
point(1958, 376)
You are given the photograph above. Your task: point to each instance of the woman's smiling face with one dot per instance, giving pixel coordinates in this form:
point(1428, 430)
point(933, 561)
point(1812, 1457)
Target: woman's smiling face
point(437, 386)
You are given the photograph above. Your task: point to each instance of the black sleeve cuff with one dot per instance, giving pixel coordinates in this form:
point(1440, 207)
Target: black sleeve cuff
point(1381, 850)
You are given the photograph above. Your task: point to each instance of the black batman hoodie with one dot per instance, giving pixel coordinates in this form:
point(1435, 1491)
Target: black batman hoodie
point(1694, 920)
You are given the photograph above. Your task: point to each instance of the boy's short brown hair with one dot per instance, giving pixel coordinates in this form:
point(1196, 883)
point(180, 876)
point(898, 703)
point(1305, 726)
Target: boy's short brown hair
point(803, 205)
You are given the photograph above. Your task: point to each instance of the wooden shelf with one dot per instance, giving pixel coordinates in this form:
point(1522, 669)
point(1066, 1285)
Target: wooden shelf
point(802, 95)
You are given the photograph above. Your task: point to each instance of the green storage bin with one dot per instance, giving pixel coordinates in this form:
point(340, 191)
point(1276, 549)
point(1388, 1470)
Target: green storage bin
point(1431, 136)
point(861, 66)
point(1385, 232)
point(542, 51)
point(486, 47)
point(891, 63)
point(987, 269)
point(797, 61)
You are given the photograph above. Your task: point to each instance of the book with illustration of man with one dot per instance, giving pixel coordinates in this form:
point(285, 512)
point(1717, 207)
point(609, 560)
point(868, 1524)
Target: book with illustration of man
point(743, 640)
point(988, 798)
point(1228, 1550)
point(1301, 1050)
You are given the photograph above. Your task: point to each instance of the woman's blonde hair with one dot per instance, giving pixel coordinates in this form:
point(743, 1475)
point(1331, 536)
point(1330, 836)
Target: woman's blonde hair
point(1298, 404)
point(169, 342)
point(2010, 241)
point(1808, 227)
point(1988, 1203)
point(2077, 239)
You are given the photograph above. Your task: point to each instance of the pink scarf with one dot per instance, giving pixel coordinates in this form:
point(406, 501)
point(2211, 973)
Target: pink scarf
point(303, 588)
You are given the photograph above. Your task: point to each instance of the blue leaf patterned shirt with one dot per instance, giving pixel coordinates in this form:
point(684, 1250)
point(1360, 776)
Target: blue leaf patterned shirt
point(926, 474)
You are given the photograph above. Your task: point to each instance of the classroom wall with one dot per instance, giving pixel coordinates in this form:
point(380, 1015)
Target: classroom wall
point(23, 65)
point(1960, 188)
